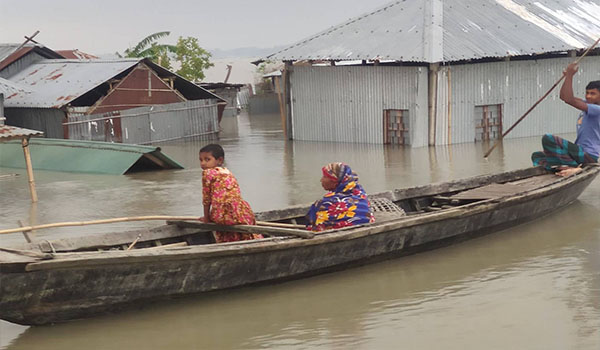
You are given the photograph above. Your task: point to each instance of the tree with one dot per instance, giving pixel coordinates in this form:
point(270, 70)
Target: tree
point(190, 57)
point(150, 48)
point(193, 59)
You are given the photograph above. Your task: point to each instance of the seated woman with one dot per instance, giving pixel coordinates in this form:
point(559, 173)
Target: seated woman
point(345, 204)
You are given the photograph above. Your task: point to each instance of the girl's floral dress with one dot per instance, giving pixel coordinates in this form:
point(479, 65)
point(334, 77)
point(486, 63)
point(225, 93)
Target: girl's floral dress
point(221, 191)
point(347, 205)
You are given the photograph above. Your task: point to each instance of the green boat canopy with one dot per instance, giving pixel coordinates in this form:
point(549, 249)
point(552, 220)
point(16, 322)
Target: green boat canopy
point(85, 156)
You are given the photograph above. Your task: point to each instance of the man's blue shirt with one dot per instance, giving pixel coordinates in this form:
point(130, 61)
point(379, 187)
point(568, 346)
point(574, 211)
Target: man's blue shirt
point(588, 130)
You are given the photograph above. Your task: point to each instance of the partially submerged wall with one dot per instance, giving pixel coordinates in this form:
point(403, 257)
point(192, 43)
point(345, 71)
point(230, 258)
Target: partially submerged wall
point(150, 124)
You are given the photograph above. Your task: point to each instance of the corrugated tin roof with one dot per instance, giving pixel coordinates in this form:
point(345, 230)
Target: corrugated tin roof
point(84, 156)
point(453, 30)
point(276, 73)
point(8, 132)
point(7, 49)
point(10, 54)
point(57, 82)
point(8, 88)
point(76, 54)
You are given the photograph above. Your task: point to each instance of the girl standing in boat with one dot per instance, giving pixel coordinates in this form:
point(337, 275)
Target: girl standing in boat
point(345, 204)
point(221, 197)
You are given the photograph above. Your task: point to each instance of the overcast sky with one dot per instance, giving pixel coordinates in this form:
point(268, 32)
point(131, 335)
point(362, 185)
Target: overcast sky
point(106, 26)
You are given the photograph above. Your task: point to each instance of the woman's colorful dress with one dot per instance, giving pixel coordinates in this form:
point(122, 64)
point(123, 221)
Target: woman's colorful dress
point(221, 191)
point(347, 205)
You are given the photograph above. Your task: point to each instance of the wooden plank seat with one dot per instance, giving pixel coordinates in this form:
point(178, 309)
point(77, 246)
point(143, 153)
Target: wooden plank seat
point(496, 190)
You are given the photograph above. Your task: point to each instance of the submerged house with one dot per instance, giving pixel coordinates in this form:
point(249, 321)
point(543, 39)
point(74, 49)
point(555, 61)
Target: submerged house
point(87, 100)
point(236, 96)
point(436, 72)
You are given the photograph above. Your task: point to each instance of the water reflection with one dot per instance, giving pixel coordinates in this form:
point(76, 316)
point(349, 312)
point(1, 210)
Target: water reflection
point(535, 285)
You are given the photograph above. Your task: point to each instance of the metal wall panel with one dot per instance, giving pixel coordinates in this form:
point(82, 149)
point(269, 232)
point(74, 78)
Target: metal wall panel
point(141, 87)
point(230, 95)
point(346, 103)
point(244, 96)
point(145, 125)
point(47, 120)
point(517, 85)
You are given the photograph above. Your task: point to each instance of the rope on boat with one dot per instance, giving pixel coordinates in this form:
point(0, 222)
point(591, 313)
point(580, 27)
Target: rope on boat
point(29, 253)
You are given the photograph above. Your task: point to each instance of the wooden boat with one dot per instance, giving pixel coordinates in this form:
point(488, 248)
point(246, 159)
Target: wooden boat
point(67, 279)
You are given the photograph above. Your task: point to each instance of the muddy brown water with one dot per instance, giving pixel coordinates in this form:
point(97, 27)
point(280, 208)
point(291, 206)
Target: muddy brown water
point(534, 286)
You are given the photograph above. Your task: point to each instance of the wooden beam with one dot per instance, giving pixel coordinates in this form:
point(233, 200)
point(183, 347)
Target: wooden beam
point(96, 222)
point(271, 231)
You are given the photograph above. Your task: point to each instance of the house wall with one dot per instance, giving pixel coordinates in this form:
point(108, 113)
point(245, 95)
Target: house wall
point(517, 85)
point(231, 96)
point(48, 120)
point(265, 103)
point(141, 87)
point(149, 124)
point(346, 103)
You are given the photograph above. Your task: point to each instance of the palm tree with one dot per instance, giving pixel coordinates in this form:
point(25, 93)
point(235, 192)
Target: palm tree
point(149, 48)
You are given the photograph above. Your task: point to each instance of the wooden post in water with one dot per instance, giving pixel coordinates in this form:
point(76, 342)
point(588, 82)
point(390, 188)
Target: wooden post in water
point(281, 105)
point(287, 100)
point(25, 144)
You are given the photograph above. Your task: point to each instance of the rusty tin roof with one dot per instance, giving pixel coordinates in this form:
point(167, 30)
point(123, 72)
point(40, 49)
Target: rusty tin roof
point(8, 132)
point(54, 83)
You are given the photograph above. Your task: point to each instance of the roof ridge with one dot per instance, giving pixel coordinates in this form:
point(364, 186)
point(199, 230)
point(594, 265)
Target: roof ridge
point(343, 24)
point(429, 31)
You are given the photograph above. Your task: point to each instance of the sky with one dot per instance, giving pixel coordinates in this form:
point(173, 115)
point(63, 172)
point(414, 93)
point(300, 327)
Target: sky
point(107, 26)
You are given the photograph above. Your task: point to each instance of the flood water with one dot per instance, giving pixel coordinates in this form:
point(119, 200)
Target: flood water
point(535, 286)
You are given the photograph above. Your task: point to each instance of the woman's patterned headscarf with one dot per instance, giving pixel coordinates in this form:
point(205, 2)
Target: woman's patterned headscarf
point(346, 205)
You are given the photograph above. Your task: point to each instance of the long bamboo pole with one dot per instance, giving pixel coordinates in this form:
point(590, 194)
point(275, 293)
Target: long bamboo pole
point(96, 222)
point(127, 219)
point(538, 101)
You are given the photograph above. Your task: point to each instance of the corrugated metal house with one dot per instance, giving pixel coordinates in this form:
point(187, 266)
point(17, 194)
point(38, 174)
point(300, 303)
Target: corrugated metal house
point(230, 93)
point(16, 57)
point(56, 93)
point(432, 72)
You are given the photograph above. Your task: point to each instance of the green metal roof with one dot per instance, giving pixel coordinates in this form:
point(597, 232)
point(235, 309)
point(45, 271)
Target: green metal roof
point(85, 156)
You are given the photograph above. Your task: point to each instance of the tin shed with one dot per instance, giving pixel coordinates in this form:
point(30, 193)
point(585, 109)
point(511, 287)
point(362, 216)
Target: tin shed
point(59, 89)
point(426, 72)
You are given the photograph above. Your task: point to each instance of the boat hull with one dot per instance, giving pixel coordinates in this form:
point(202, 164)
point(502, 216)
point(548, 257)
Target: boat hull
point(47, 293)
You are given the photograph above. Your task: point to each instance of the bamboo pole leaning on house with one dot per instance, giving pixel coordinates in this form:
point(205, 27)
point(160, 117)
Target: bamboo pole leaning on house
point(538, 101)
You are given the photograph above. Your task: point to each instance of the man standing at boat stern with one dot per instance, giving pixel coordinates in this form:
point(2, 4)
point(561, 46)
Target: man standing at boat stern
point(562, 156)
